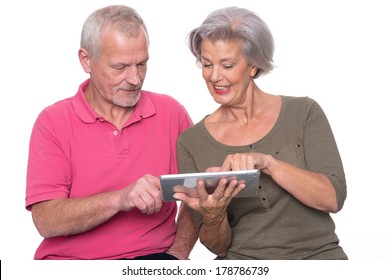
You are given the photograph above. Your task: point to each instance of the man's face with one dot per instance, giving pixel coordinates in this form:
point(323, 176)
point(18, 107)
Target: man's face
point(119, 71)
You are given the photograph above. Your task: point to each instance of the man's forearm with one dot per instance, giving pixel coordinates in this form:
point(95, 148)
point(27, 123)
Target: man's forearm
point(63, 217)
point(186, 235)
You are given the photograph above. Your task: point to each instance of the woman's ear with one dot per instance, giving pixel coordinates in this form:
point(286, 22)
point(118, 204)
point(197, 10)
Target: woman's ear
point(85, 61)
point(254, 71)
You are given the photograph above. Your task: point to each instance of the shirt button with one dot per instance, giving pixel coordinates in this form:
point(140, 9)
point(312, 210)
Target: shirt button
point(115, 132)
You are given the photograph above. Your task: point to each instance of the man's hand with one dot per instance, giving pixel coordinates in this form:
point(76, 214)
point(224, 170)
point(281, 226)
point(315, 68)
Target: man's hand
point(144, 194)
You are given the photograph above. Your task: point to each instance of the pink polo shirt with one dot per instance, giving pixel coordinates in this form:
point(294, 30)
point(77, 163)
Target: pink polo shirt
point(76, 153)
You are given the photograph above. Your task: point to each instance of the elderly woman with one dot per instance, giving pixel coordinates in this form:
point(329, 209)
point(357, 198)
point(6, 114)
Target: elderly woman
point(288, 138)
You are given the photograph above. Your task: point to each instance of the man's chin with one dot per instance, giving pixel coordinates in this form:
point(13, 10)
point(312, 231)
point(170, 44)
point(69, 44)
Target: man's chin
point(126, 103)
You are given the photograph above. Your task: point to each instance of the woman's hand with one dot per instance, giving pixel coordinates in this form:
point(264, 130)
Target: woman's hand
point(246, 162)
point(215, 232)
point(211, 205)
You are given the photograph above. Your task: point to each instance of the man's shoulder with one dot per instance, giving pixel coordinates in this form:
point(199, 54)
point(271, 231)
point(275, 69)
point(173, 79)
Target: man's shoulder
point(58, 110)
point(161, 97)
point(60, 104)
point(163, 101)
point(57, 107)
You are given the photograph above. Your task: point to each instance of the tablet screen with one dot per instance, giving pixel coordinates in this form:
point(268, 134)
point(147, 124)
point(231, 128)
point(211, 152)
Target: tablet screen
point(186, 182)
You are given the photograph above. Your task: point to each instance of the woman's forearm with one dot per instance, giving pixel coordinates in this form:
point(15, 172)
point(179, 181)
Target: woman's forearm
point(216, 236)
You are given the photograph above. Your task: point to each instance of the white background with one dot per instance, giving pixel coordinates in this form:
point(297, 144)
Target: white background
point(336, 52)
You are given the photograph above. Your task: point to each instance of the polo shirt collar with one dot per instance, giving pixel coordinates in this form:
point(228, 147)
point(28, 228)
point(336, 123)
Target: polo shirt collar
point(143, 109)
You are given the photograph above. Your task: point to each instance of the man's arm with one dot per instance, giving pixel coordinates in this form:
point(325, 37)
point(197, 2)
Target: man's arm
point(186, 235)
point(62, 217)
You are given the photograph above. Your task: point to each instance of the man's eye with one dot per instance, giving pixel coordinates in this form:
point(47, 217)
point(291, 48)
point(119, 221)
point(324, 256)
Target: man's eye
point(119, 68)
point(228, 66)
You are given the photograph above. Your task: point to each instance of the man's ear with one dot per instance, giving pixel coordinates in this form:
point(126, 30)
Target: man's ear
point(85, 61)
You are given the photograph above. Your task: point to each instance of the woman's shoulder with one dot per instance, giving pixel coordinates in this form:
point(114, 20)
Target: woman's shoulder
point(300, 108)
point(298, 103)
point(194, 130)
point(297, 99)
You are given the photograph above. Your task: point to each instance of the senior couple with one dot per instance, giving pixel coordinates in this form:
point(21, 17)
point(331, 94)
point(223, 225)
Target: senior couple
point(95, 158)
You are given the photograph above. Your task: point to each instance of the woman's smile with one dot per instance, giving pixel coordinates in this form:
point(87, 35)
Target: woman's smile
point(222, 89)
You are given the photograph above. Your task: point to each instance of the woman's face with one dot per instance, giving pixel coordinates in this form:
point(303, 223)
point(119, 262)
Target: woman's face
point(226, 71)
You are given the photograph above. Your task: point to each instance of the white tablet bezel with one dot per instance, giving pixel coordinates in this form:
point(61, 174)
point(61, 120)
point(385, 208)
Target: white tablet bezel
point(186, 182)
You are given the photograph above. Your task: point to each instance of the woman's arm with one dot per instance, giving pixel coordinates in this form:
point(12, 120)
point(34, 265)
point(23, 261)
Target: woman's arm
point(312, 189)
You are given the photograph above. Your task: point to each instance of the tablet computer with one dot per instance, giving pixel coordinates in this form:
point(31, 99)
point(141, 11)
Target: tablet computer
point(186, 182)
